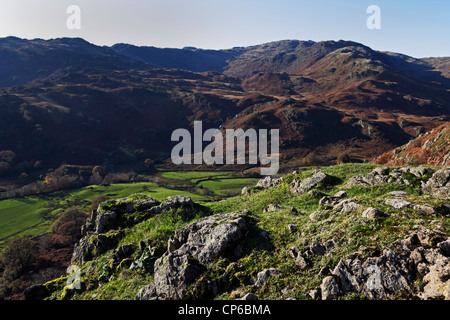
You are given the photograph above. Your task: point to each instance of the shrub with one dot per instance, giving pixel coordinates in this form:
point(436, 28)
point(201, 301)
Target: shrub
point(68, 225)
point(19, 256)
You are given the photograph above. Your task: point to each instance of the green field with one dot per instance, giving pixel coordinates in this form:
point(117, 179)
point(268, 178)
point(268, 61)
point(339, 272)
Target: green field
point(194, 176)
point(33, 215)
point(226, 183)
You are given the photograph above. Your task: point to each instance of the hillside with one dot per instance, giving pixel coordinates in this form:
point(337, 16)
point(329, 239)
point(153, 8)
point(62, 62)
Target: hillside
point(342, 232)
point(333, 101)
point(431, 148)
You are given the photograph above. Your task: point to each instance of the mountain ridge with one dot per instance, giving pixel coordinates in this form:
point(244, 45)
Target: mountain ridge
point(84, 104)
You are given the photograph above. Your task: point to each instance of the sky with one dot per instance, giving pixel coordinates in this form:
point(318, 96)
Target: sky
point(416, 28)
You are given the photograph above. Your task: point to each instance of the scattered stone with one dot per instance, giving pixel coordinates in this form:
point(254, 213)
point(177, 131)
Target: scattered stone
point(301, 262)
point(329, 244)
point(438, 185)
point(398, 203)
point(329, 288)
point(292, 228)
point(268, 182)
point(314, 293)
point(294, 251)
point(347, 205)
point(273, 208)
point(244, 190)
point(395, 270)
point(264, 275)
point(146, 204)
point(419, 171)
point(341, 194)
point(249, 296)
point(328, 202)
point(317, 249)
point(423, 208)
point(372, 213)
point(377, 277)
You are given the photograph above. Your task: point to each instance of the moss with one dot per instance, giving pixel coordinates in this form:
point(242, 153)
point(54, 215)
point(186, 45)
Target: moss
point(56, 284)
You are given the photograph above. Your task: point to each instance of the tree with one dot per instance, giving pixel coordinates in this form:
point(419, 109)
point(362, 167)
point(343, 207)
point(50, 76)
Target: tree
point(101, 171)
point(68, 226)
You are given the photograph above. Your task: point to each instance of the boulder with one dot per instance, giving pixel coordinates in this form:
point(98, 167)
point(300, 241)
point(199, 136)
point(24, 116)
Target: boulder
point(423, 208)
point(372, 213)
point(329, 288)
point(299, 187)
point(172, 202)
point(264, 275)
point(398, 203)
point(341, 194)
point(273, 208)
point(347, 205)
point(268, 182)
point(317, 249)
point(301, 262)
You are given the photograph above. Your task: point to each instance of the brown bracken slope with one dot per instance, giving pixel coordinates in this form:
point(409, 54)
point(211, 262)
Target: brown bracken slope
point(431, 148)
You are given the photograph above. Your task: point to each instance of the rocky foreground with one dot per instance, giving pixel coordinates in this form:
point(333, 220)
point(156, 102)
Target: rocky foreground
point(322, 234)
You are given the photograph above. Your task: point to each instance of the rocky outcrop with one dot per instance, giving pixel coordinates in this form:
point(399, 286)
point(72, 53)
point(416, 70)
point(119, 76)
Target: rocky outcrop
point(382, 175)
point(431, 148)
point(438, 185)
point(392, 272)
point(100, 232)
point(191, 249)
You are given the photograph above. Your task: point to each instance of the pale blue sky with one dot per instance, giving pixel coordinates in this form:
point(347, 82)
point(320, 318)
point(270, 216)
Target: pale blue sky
point(416, 28)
